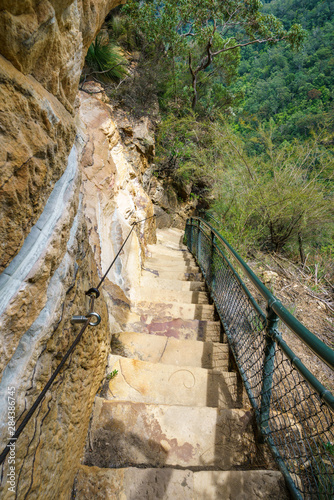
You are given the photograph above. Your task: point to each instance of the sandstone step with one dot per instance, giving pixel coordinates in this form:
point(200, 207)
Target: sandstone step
point(170, 234)
point(171, 266)
point(124, 434)
point(174, 484)
point(159, 250)
point(178, 328)
point(187, 329)
point(171, 351)
point(162, 252)
point(172, 256)
point(159, 269)
point(172, 275)
point(174, 241)
point(157, 383)
point(152, 311)
point(177, 246)
point(158, 295)
point(150, 281)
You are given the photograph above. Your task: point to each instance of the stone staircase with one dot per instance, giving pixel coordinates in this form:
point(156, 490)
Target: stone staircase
point(174, 423)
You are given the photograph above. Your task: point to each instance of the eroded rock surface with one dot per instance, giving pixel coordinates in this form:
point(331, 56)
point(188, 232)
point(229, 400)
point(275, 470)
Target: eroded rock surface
point(43, 45)
point(53, 440)
point(36, 136)
point(49, 39)
point(67, 251)
point(56, 243)
point(113, 200)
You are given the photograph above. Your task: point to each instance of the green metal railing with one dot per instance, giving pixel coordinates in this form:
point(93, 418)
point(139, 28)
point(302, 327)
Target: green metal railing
point(294, 411)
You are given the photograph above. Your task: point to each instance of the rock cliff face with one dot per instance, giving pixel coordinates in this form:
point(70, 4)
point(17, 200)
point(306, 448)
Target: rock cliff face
point(69, 191)
point(43, 44)
point(113, 199)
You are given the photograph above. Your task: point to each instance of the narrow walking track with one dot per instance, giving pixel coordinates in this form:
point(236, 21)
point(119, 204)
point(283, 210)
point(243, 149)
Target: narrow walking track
point(174, 423)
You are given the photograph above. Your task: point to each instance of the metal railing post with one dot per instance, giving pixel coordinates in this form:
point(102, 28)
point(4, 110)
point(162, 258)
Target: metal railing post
point(197, 243)
point(212, 267)
point(268, 368)
point(190, 242)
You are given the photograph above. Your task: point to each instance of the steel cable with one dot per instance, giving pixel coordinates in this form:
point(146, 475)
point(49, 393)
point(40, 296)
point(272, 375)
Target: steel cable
point(91, 292)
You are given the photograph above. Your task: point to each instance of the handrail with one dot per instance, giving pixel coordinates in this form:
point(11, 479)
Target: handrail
point(294, 411)
point(313, 342)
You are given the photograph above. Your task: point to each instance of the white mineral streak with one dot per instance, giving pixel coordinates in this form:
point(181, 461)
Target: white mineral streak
point(13, 278)
point(20, 369)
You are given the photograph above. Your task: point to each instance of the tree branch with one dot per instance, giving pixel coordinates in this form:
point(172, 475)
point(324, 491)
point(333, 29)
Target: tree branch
point(264, 40)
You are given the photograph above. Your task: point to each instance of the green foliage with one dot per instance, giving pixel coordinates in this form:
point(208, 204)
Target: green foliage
point(324, 475)
point(193, 150)
point(280, 198)
point(122, 29)
point(106, 59)
point(205, 37)
point(293, 88)
point(112, 375)
point(270, 168)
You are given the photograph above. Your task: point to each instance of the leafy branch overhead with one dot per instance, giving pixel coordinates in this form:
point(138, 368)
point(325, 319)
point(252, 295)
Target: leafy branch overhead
point(208, 33)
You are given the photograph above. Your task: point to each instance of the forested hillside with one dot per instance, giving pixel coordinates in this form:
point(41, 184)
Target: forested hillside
point(244, 95)
point(295, 88)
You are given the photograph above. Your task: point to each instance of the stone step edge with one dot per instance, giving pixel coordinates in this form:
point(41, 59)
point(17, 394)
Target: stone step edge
point(164, 366)
point(142, 294)
point(169, 434)
point(192, 468)
point(216, 354)
point(176, 275)
point(170, 284)
point(146, 302)
point(172, 483)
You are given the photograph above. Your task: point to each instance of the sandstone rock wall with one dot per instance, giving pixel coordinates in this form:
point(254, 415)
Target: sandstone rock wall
point(66, 206)
point(43, 44)
point(114, 199)
point(45, 288)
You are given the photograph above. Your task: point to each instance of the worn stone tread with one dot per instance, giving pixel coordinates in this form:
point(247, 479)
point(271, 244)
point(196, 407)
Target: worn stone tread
point(166, 236)
point(153, 311)
point(174, 484)
point(159, 250)
point(182, 329)
point(154, 383)
point(168, 350)
point(171, 261)
point(138, 434)
point(171, 267)
point(160, 295)
point(172, 275)
point(150, 281)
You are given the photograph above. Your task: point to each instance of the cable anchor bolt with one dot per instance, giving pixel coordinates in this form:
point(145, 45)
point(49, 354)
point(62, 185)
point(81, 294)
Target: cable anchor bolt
point(82, 319)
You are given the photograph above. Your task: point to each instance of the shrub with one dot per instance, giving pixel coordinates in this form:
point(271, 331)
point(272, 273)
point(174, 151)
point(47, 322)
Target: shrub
point(106, 59)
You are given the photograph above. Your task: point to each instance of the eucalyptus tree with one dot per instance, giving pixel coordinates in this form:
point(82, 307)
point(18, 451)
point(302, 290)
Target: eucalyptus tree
point(207, 35)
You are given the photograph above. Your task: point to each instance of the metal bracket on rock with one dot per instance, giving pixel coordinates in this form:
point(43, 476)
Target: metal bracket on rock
point(84, 319)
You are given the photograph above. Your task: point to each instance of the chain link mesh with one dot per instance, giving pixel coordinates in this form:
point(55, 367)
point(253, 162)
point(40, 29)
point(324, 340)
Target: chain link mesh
point(297, 424)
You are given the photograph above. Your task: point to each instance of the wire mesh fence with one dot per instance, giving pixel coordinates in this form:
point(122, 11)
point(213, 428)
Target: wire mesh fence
point(294, 419)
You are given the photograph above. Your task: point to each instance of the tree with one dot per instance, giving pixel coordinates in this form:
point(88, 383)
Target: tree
point(208, 34)
point(282, 197)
